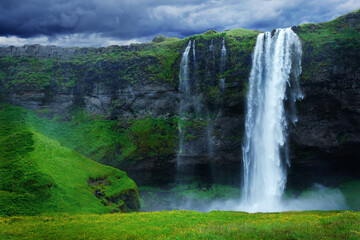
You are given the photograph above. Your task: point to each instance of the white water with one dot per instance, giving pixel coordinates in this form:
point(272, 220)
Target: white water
point(197, 96)
point(276, 67)
point(184, 89)
point(194, 51)
point(184, 84)
point(273, 80)
point(131, 92)
point(222, 65)
point(223, 56)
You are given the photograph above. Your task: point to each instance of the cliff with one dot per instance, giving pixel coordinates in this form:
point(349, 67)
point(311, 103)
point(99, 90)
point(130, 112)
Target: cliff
point(325, 141)
point(134, 92)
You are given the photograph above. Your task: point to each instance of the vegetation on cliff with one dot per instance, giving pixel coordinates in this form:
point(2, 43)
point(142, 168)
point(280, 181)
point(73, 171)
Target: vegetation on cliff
point(114, 138)
point(330, 44)
point(124, 66)
point(114, 142)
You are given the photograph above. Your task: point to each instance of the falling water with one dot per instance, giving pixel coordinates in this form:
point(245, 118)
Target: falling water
point(210, 125)
point(276, 67)
point(197, 96)
point(194, 51)
point(223, 56)
point(211, 47)
point(184, 89)
point(222, 65)
point(131, 92)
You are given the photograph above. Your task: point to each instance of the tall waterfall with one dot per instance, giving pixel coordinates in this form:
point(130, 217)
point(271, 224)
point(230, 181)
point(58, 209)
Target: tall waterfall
point(184, 89)
point(273, 80)
point(222, 65)
point(194, 51)
point(223, 56)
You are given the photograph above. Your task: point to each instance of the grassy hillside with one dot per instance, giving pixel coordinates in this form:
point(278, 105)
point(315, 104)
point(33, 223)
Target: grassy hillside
point(345, 27)
point(186, 225)
point(38, 174)
point(330, 44)
point(108, 141)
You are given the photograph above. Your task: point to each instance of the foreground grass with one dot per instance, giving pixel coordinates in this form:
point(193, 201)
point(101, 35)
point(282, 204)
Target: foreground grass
point(186, 225)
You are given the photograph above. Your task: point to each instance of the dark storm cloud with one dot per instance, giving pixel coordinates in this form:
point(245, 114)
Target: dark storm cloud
point(123, 19)
point(142, 19)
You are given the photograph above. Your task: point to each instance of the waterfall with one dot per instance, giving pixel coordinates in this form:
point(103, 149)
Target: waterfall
point(184, 89)
point(184, 84)
point(223, 56)
point(211, 47)
point(222, 65)
point(194, 51)
point(131, 92)
point(210, 125)
point(197, 97)
point(273, 79)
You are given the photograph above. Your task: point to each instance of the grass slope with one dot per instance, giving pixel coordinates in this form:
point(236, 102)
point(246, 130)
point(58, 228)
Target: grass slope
point(345, 27)
point(112, 142)
point(186, 225)
point(329, 44)
point(38, 175)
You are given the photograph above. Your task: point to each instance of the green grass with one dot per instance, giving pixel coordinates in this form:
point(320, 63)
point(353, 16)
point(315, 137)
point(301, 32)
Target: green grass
point(328, 32)
point(39, 175)
point(328, 44)
point(113, 142)
point(186, 225)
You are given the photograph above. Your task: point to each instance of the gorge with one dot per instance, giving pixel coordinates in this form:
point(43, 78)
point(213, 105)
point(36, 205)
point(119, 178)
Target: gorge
point(194, 115)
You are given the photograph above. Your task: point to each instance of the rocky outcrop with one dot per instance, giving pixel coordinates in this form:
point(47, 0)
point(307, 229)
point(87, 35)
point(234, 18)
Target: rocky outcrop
point(124, 201)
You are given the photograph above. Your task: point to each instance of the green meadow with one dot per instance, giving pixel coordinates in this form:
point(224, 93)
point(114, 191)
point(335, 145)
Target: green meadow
point(185, 225)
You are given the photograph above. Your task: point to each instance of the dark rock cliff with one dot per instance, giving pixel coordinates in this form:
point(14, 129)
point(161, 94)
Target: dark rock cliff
point(325, 142)
point(142, 80)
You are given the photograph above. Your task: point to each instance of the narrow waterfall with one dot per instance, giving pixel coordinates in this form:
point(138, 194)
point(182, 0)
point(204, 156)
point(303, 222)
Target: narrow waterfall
point(211, 47)
point(131, 92)
point(184, 89)
point(210, 125)
point(222, 65)
point(223, 56)
point(194, 51)
point(197, 104)
point(273, 80)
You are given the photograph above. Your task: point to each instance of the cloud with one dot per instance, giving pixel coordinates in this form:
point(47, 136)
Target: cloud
point(68, 40)
point(130, 20)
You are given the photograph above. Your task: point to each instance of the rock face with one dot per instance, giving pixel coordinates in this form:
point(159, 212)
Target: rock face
point(44, 52)
point(142, 80)
point(326, 139)
point(126, 83)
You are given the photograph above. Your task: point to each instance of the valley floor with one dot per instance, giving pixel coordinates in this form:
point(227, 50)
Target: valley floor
point(186, 225)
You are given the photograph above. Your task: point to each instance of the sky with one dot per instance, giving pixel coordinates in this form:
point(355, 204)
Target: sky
point(95, 23)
